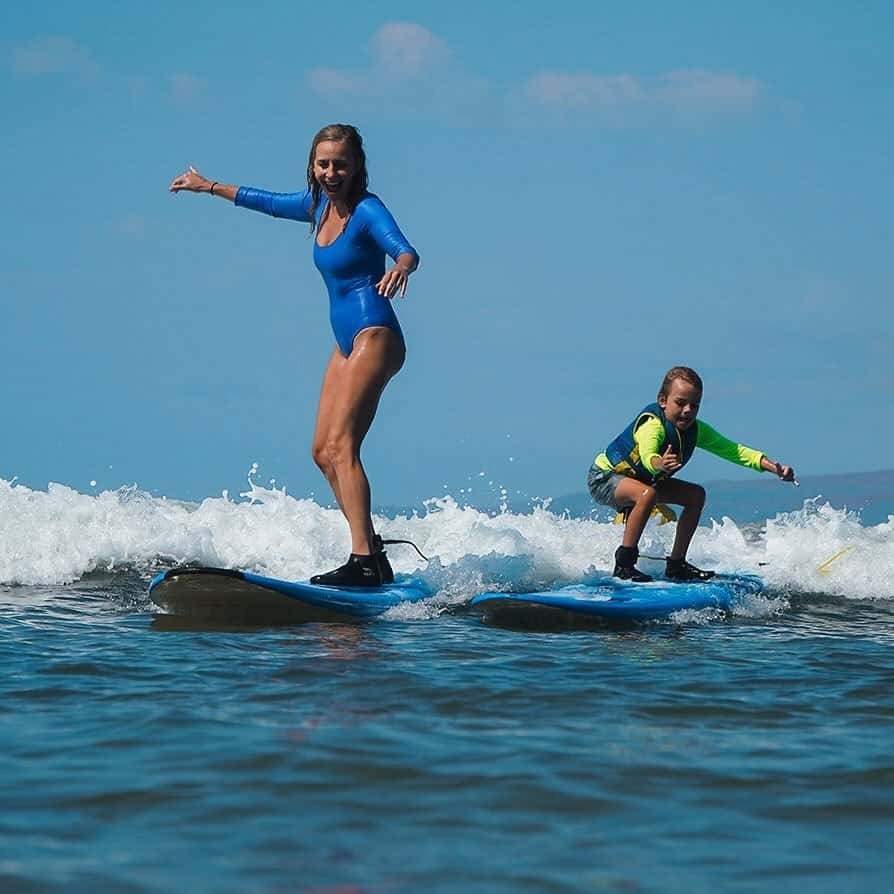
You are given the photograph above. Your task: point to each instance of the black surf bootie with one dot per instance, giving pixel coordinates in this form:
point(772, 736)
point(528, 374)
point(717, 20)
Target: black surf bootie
point(625, 560)
point(381, 557)
point(379, 550)
point(680, 569)
point(358, 571)
point(364, 571)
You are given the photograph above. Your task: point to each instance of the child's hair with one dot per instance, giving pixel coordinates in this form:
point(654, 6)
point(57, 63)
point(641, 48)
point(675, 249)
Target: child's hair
point(680, 372)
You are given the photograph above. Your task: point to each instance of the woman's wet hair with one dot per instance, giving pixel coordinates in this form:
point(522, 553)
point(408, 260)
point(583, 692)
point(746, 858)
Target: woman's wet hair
point(680, 372)
point(338, 133)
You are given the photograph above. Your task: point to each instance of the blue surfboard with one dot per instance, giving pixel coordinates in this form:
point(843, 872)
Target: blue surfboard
point(611, 599)
point(221, 594)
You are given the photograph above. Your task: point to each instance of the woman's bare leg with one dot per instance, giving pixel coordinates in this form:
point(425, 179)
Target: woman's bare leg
point(328, 395)
point(347, 407)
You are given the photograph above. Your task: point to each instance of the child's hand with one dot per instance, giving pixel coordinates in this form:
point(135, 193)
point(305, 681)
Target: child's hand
point(786, 473)
point(668, 461)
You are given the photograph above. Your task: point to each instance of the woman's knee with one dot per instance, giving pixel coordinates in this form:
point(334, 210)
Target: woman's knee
point(320, 454)
point(340, 450)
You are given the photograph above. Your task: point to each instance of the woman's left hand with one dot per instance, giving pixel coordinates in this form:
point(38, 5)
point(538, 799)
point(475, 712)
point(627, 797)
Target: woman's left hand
point(394, 281)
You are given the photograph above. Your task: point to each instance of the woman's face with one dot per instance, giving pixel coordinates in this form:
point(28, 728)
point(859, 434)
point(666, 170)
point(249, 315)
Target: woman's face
point(334, 168)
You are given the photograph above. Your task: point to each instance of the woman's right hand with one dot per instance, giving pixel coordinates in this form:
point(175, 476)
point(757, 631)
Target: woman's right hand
point(191, 181)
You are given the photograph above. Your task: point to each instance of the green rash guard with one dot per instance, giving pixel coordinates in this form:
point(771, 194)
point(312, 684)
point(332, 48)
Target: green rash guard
point(649, 438)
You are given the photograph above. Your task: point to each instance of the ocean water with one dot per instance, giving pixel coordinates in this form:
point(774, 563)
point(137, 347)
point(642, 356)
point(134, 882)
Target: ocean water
point(428, 751)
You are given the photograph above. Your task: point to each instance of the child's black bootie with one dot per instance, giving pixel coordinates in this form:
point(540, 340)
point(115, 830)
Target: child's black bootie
point(625, 560)
point(358, 571)
point(680, 569)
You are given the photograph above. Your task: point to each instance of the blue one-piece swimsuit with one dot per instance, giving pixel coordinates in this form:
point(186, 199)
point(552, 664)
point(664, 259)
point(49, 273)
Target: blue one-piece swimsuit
point(352, 264)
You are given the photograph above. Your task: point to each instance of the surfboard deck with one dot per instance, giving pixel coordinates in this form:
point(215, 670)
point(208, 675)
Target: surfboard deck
point(222, 594)
point(611, 599)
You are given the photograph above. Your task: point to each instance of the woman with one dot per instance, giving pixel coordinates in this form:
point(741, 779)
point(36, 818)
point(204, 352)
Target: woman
point(353, 231)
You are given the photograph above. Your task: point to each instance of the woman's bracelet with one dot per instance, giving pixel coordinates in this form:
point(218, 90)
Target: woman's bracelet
point(212, 187)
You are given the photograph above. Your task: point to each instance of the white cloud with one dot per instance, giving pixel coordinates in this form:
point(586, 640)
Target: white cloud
point(583, 89)
point(401, 51)
point(706, 87)
point(54, 54)
point(404, 50)
point(694, 88)
point(409, 61)
point(333, 80)
point(185, 87)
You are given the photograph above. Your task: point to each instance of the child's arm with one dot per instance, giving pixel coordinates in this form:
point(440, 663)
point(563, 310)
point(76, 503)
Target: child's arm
point(711, 440)
point(786, 473)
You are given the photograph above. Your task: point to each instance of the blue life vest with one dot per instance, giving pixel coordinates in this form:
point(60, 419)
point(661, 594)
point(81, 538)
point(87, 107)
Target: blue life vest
point(623, 452)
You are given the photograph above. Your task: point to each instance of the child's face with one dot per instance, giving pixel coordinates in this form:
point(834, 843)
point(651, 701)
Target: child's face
point(681, 403)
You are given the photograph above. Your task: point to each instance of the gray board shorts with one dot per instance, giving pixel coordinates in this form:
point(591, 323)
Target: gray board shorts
point(602, 484)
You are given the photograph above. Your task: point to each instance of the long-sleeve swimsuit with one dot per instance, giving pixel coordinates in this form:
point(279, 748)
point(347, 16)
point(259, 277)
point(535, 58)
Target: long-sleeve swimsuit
point(352, 264)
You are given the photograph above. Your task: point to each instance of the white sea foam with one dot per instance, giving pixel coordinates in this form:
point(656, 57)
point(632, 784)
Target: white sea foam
point(56, 536)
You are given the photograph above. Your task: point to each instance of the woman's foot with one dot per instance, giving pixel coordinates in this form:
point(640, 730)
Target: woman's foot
point(359, 570)
point(625, 560)
point(680, 569)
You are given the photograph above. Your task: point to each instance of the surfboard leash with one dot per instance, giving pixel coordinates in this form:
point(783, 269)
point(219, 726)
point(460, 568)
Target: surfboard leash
point(409, 543)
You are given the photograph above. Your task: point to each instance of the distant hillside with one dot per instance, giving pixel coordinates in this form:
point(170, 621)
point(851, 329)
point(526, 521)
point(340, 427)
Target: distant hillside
point(870, 493)
point(748, 500)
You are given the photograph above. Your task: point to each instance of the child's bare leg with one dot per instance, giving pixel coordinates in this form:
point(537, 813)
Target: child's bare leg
point(643, 497)
point(692, 498)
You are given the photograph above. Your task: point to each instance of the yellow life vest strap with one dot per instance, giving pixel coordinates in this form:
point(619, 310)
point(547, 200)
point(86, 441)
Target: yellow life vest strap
point(665, 513)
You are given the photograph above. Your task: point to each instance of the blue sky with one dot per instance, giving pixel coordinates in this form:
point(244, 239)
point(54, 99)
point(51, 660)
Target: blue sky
point(597, 194)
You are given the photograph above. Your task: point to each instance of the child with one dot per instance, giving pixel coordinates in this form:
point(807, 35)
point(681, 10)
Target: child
point(635, 471)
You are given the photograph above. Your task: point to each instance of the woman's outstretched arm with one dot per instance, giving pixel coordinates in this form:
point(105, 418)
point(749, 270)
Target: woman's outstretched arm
point(290, 205)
